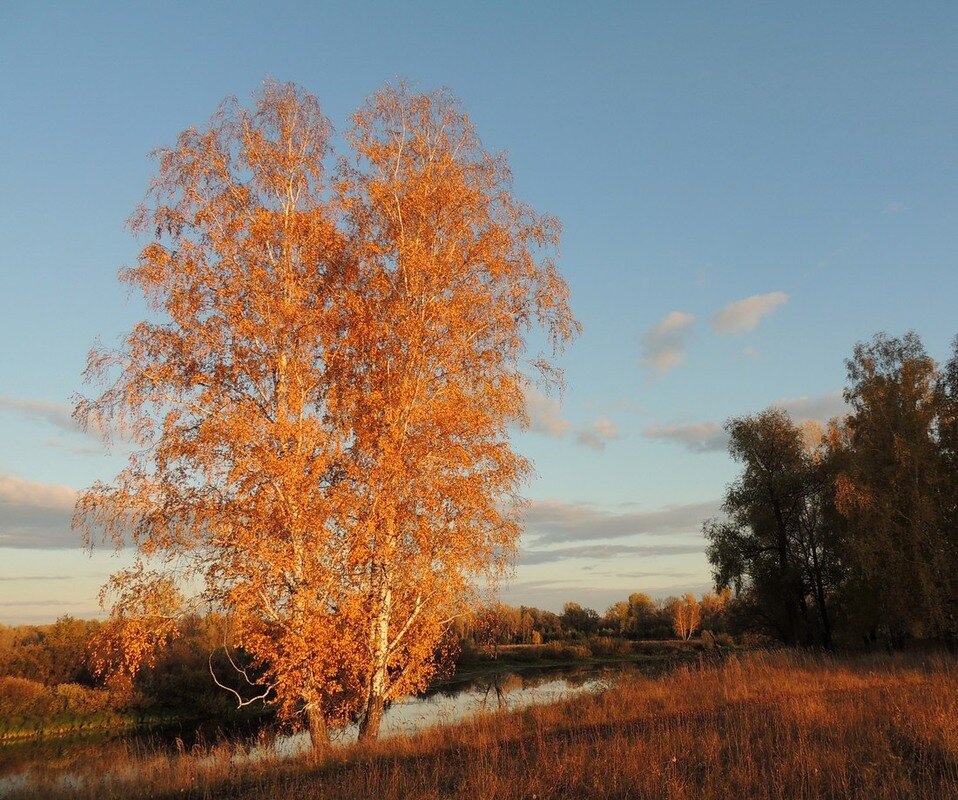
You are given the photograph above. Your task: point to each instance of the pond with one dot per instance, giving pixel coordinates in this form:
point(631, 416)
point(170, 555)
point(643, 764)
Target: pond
point(72, 763)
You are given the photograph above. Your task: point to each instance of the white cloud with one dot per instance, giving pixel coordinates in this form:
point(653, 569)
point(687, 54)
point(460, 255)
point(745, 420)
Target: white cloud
point(663, 346)
point(606, 428)
point(36, 514)
point(743, 315)
point(893, 207)
point(699, 437)
point(16, 491)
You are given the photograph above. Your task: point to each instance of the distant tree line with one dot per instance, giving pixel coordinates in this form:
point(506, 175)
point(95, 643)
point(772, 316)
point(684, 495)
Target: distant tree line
point(849, 534)
point(639, 617)
point(55, 673)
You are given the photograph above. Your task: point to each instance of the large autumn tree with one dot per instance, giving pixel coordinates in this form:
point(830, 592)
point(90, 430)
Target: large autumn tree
point(322, 397)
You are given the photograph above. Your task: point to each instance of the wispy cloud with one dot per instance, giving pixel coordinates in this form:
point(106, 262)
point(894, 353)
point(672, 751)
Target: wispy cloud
point(816, 408)
point(545, 414)
point(545, 418)
point(36, 514)
point(699, 437)
point(82, 450)
point(28, 603)
point(605, 551)
point(31, 578)
point(710, 437)
point(596, 436)
point(554, 594)
point(744, 315)
point(893, 207)
point(642, 574)
point(837, 255)
point(664, 345)
point(552, 521)
point(57, 414)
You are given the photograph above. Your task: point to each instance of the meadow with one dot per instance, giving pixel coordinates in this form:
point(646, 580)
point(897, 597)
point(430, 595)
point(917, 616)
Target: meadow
point(782, 724)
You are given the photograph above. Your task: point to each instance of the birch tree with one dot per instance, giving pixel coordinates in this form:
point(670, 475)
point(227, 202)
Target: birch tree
point(322, 397)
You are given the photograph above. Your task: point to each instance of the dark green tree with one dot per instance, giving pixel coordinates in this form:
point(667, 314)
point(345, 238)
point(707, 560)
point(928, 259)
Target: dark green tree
point(576, 619)
point(772, 547)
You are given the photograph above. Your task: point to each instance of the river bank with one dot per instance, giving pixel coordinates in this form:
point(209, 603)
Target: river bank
point(63, 760)
point(95, 719)
point(759, 725)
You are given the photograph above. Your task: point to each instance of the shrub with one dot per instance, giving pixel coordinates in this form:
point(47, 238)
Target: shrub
point(606, 646)
point(756, 641)
point(725, 640)
point(22, 697)
point(77, 699)
point(565, 652)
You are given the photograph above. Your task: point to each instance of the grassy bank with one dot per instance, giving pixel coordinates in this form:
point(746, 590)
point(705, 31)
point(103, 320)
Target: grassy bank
point(780, 725)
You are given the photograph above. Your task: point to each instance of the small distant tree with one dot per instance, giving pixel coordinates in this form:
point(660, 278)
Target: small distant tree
point(546, 623)
point(644, 618)
point(686, 616)
point(616, 618)
point(496, 625)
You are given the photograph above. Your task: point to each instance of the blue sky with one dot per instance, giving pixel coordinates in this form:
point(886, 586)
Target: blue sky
point(698, 154)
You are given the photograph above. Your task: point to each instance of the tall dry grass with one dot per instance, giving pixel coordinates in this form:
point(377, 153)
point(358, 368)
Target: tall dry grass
point(774, 725)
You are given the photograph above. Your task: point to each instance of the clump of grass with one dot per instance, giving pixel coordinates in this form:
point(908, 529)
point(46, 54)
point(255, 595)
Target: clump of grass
point(762, 725)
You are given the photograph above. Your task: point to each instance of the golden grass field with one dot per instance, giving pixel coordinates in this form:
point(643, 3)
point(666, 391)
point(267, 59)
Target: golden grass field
point(759, 725)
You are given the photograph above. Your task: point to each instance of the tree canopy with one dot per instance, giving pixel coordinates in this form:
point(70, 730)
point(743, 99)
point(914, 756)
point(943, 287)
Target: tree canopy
point(322, 397)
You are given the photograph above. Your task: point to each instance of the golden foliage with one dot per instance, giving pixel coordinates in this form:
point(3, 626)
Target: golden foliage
point(145, 606)
point(686, 616)
point(323, 399)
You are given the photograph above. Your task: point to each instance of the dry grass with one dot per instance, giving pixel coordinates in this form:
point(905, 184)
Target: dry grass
point(779, 725)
